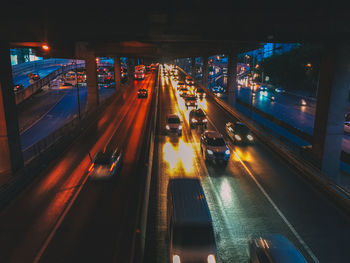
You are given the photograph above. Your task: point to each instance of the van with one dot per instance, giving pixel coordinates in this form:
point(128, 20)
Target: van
point(190, 228)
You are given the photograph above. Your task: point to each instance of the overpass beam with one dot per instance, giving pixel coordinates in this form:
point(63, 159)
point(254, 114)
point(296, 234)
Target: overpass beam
point(332, 94)
point(205, 71)
point(117, 69)
point(11, 158)
point(231, 78)
point(91, 81)
point(193, 67)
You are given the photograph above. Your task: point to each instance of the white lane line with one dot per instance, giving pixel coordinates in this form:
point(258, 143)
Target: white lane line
point(296, 234)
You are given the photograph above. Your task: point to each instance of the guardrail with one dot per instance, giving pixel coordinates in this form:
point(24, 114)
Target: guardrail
point(24, 94)
point(25, 68)
point(139, 238)
point(311, 172)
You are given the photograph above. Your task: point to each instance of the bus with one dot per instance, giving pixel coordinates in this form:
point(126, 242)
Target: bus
point(190, 229)
point(140, 72)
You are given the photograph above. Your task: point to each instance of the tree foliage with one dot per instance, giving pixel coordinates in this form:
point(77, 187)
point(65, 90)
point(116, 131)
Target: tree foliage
point(294, 70)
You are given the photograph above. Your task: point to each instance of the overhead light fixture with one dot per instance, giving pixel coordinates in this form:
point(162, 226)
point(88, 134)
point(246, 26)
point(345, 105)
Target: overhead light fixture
point(45, 47)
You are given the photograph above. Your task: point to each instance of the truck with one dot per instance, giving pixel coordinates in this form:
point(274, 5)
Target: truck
point(140, 72)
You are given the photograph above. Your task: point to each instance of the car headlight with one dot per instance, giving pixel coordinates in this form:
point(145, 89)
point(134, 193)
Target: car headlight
point(249, 137)
point(205, 120)
point(176, 259)
point(210, 151)
point(180, 127)
point(238, 138)
point(167, 127)
point(227, 152)
point(194, 120)
point(211, 259)
point(187, 103)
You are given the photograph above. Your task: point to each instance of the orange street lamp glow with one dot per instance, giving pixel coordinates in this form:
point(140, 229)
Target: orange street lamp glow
point(45, 47)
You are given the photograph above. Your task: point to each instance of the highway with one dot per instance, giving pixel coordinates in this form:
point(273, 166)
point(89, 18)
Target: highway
point(24, 79)
point(59, 114)
point(256, 193)
point(64, 217)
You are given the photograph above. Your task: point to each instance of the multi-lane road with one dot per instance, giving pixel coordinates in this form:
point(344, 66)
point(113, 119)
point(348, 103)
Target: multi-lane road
point(63, 216)
point(256, 193)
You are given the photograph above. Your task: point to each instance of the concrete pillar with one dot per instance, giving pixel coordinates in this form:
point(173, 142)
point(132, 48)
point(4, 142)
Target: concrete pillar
point(117, 69)
point(130, 67)
point(205, 71)
point(231, 78)
point(91, 81)
point(193, 67)
point(333, 89)
point(11, 159)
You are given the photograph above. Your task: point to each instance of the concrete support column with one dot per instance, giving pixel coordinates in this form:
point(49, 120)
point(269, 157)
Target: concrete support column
point(117, 69)
point(205, 71)
point(333, 89)
point(193, 67)
point(231, 78)
point(11, 159)
point(130, 68)
point(91, 81)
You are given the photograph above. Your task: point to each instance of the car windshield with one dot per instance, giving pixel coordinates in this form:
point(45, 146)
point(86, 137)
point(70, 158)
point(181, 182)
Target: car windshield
point(191, 99)
point(199, 113)
point(193, 236)
point(181, 83)
point(142, 90)
point(216, 142)
point(200, 90)
point(241, 128)
point(102, 159)
point(173, 120)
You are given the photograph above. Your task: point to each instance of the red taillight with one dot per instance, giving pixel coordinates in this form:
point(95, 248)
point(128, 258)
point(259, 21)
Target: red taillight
point(135, 76)
point(91, 167)
point(112, 166)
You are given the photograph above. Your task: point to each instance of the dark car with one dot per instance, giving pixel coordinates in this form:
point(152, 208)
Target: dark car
point(273, 248)
point(142, 93)
point(197, 118)
point(191, 101)
point(34, 76)
point(18, 87)
point(200, 93)
point(239, 132)
point(106, 164)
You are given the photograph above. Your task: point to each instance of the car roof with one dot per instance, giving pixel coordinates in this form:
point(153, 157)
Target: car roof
point(279, 248)
point(213, 134)
point(173, 116)
point(190, 205)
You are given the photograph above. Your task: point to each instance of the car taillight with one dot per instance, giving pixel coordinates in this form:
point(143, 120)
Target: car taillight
point(91, 167)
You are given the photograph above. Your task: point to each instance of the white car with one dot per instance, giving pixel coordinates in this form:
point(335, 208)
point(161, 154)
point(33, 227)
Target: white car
point(173, 124)
point(214, 147)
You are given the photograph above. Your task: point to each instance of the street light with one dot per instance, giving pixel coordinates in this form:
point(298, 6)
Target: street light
point(77, 86)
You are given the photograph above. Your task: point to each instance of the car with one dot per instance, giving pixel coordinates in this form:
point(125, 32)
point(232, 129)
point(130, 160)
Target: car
point(239, 132)
point(279, 90)
point(200, 93)
point(197, 118)
point(18, 87)
point(273, 248)
point(189, 80)
point(191, 101)
point(213, 147)
point(142, 93)
point(181, 85)
point(184, 92)
point(173, 124)
point(263, 87)
point(106, 165)
point(34, 76)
